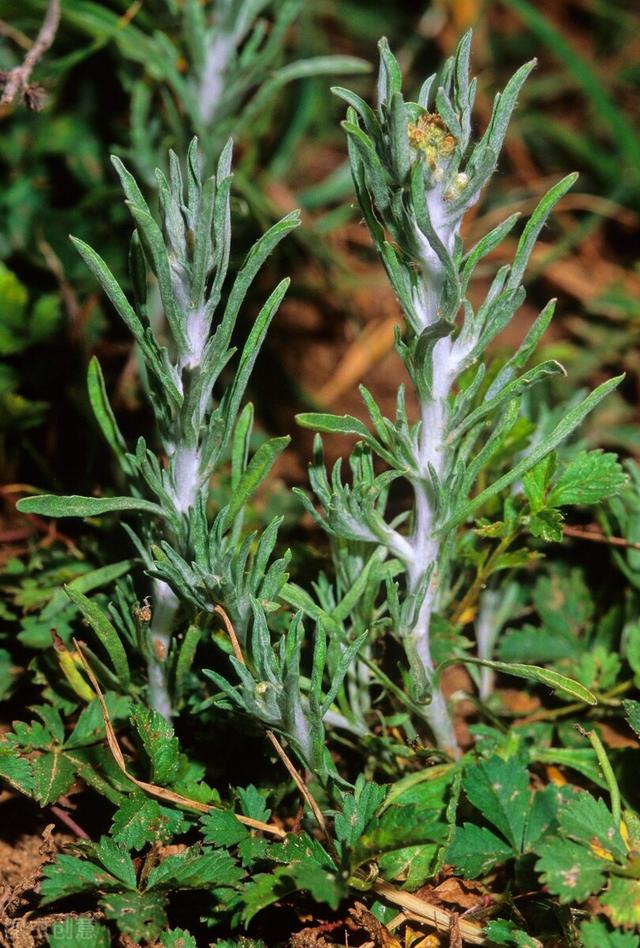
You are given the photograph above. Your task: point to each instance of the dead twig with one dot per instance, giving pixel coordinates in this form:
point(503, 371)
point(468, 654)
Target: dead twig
point(231, 632)
point(417, 910)
point(169, 796)
point(16, 81)
point(594, 536)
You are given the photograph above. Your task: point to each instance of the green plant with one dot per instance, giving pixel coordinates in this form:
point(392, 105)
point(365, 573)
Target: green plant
point(188, 255)
point(416, 175)
point(489, 478)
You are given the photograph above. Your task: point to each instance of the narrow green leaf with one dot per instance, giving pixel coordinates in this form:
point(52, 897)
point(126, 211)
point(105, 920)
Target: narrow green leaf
point(333, 424)
point(112, 288)
point(562, 430)
point(534, 226)
point(106, 633)
point(556, 681)
point(104, 414)
point(258, 468)
point(52, 505)
point(184, 660)
point(84, 583)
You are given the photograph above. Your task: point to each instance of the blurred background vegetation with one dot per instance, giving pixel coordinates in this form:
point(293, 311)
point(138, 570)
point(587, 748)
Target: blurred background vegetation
point(117, 80)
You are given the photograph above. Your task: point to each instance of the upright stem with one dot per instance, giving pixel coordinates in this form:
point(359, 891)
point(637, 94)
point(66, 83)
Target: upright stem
point(165, 608)
point(424, 562)
point(184, 459)
point(211, 85)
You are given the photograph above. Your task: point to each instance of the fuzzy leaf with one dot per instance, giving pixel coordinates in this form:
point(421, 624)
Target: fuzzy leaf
point(51, 505)
point(563, 429)
point(556, 681)
point(258, 468)
point(104, 414)
point(333, 424)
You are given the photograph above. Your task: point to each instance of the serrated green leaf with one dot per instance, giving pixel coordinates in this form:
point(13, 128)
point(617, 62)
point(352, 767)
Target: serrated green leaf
point(117, 861)
point(358, 809)
point(178, 938)
point(397, 828)
point(196, 868)
point(622, 900)
point(141, 820)
point(570, 870)
point(499, 789)
point(597, 934)
point(53, 775)
point(70, 875)
point(221, 828)
point(263, 890)
point(589, 821)
point(252, 803)
point(413, 865)
point(547, 525)
point(159, 742)
point(500, 931)
point(475, 850)
point(16, 770)
point(90, 726)
point(50, 505)
point(589, 477)
point(632, 714)
point(140, 915)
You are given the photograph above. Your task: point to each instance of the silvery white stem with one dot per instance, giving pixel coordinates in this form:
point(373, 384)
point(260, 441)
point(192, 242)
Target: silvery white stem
point(431, 457)
point(486, 634)
point(165, 607)
point(211, 87)
point(186, 472)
